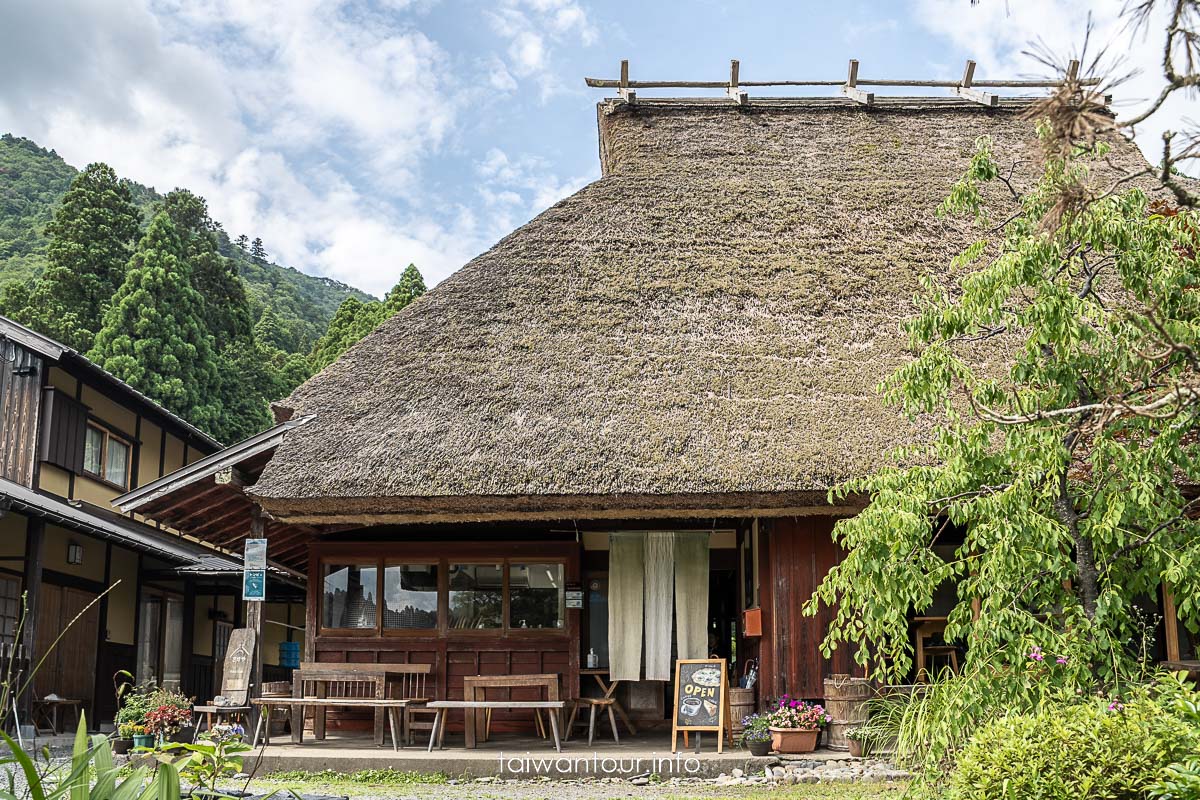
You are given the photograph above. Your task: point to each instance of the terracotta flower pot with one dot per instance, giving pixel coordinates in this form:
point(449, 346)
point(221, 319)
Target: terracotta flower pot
point(794, 740)
point(856, 748)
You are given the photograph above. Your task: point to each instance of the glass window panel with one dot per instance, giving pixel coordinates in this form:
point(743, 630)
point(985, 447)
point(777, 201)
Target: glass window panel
point(116, 466)
point(535, 596)
point(93, 449)
point(410, 596)
point(349, 599)
point(476, 595)
point(10, 609)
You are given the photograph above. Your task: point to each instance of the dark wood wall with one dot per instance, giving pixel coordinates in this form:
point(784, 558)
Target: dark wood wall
point(799, 552)
point(20, 393)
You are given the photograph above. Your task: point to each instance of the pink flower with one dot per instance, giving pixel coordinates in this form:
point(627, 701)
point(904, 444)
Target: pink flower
point(1061, 660)
point(1116, 706)
point(1036, 654)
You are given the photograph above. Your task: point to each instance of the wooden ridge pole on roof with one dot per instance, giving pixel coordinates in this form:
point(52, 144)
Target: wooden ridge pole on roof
point(851, 89)
point(967, 91)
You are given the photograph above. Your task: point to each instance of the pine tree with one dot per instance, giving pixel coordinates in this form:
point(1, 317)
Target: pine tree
point(268, 331)
point(154, 336)
point(410, 286)
point(90, 242)
point(353, 320)
point(227, 311)
point(243, 242)
point(258, 252)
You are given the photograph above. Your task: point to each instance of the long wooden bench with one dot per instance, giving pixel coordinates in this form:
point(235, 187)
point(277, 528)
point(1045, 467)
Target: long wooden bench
point(393, 707)
point(438, 734)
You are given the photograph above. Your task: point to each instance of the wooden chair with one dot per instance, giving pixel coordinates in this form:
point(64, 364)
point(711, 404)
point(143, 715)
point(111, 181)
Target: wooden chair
point(235, 681)
point(593, 704)
point(926, 654)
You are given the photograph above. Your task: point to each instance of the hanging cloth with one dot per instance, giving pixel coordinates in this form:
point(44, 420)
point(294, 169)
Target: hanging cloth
point(660, 574)
point(691, 594)
point(625, 569)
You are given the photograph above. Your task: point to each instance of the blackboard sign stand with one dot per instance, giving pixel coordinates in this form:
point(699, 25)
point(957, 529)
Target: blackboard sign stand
point(701, 700)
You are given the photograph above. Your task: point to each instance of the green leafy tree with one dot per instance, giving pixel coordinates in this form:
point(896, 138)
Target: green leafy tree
point(410, 286)
point(90, 242)
point(269, 332)
point(227, 308)
point(154, 335)
point(1062, 468)
point(258, 252)
point(355, 319)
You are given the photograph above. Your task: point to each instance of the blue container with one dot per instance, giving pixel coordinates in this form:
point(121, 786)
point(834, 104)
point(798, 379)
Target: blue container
point(289, 655)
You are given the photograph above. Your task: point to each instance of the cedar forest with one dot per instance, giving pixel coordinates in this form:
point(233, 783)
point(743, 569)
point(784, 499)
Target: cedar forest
point(152, 289)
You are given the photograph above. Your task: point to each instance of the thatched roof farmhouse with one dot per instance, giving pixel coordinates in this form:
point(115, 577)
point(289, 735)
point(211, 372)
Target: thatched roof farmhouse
point(657, 379)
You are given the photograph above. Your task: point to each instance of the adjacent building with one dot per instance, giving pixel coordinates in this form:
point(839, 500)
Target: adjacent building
point(106, 592)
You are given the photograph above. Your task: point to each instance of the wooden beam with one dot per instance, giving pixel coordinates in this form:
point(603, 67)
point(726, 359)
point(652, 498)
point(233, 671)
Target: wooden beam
point(967, 91)
point(1170, 623)
point(34, 552)
point(167, 513)
point(733, 92)
point(623, 89)
point(254, 620)
point(211, 525)
point(851, 90)
point(230, 476)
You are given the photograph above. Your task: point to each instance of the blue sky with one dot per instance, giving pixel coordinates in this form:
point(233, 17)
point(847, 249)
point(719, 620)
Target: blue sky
point(356, 136)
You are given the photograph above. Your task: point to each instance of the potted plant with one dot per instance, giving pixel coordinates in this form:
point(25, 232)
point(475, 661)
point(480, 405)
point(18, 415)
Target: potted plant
point(170, 715)
point(857, 739)
point(756, 735)
point(132, 706)
point(795, 725)
point(141, 737)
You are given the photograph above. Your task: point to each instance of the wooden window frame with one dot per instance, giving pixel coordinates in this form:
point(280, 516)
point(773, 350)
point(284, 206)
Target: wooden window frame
point(108, 435)
point(442, 597)
point(443, 563)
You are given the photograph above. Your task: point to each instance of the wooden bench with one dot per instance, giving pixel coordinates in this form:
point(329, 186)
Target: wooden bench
point(438, 734)
point(392, 707)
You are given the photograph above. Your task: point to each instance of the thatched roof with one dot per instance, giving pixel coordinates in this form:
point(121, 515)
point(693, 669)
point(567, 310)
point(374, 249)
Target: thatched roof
point(701, 328)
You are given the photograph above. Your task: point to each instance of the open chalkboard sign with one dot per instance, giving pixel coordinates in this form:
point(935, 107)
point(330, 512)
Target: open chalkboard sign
point(701, 698)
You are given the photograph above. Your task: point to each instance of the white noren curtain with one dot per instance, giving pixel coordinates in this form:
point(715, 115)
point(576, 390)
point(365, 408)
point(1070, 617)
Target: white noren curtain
point(625, 559)
point(660, 573)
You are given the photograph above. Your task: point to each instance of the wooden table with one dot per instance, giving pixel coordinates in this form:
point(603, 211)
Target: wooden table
point(438, 733)
point(476, 686)
point(609, 688)
point(51, 712)
point(1192, 668)
point(386, 677)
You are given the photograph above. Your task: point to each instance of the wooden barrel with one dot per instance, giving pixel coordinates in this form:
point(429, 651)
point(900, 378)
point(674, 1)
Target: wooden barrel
point(741, 705)
point(846, 702)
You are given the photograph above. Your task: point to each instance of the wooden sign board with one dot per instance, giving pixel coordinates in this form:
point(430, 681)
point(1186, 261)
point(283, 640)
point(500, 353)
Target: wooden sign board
point(701, 698)
point(239, 661)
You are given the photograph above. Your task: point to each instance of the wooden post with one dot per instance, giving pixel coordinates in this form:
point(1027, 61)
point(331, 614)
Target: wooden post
point(966, 89)
point(1170, 623)
point(254, 621)
point(733, 92)
point(34, 547)
point(628, 94)
point(851, 89)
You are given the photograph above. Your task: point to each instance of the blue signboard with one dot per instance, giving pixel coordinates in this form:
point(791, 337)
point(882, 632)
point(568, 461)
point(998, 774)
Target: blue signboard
point(254, 584)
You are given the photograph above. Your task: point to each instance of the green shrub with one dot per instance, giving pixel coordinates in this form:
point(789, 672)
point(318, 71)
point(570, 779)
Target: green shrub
point(1068, 752)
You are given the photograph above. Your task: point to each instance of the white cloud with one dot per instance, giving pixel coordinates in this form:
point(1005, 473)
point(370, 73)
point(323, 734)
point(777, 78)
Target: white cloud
point(306, 122)
point(995, 32)
point(533, 30)
point(516, 189)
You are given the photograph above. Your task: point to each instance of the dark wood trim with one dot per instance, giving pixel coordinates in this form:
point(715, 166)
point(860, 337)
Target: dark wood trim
point(136, 455)
point(162, 451)
point(137, 616)
point(102, 632)
point(73, 581)
point(188, 636)
point(35, 529)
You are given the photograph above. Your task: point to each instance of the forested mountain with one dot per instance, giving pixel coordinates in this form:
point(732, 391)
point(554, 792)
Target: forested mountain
point(153, 290)
point(33, 181)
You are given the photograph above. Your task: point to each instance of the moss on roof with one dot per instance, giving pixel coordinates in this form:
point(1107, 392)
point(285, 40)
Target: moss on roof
point(709, 318)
